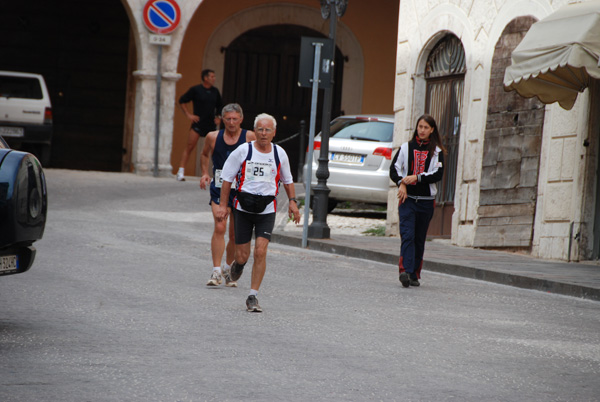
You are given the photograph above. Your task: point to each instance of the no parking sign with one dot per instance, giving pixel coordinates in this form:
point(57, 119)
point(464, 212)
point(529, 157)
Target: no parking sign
point(161, 16)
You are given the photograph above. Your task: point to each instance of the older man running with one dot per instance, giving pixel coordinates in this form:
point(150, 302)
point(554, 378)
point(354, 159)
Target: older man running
point(258, 167)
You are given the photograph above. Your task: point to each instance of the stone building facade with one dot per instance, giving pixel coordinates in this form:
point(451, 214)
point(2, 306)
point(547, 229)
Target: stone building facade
point(204, 39)
point(524, 176)
point(101, 70)
point(526, 173)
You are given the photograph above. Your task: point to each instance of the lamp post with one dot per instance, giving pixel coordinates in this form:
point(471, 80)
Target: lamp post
point(318, 229)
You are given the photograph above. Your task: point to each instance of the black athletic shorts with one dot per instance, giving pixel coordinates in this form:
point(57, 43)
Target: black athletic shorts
point(215, 195)
point(203, 130)
point(244, 222)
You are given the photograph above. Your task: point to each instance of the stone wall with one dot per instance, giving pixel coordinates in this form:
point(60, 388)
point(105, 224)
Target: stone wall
point(566, 171)
point(527, 174)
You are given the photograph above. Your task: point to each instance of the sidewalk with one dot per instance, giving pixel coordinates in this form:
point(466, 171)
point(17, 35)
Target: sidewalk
point(570, 279)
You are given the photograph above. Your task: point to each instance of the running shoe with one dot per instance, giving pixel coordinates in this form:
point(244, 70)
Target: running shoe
point(414, 280)
point(236, 271)
point(252, 304)
point(228, 281)
point(180, 176)
point(405, 279)
point(215, 279)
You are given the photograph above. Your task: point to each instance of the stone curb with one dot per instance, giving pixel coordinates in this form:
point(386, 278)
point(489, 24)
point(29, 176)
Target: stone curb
point(509, 279)
point(487, 275)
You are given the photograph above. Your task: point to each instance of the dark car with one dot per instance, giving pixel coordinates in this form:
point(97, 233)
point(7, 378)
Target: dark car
point(23, 208)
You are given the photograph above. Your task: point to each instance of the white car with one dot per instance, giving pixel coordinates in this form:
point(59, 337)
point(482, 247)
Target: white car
point(360, 153)
point(26, 113)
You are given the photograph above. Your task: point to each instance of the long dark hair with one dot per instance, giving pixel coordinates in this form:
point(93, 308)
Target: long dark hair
point(434, 139)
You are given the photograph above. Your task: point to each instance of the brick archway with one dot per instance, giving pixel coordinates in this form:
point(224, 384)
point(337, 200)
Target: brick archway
point(291, 14)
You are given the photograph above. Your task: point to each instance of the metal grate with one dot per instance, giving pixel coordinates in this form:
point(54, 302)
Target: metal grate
point(445, 86)
point(446, 58)
point(444, 104)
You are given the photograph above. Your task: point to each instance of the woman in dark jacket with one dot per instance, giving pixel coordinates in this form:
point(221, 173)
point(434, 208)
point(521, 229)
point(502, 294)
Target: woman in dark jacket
point(417, 167)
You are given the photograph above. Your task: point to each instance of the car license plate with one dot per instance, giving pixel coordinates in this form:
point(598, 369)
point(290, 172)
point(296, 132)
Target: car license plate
point(346, 158)
point(12, 131)
point(8, 263)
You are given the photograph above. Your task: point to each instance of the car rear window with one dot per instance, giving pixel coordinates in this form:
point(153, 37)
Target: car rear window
point(20, 87)
point(363, 130)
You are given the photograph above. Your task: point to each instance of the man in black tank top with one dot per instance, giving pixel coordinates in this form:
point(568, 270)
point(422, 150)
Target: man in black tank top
point(204, 117)
point(218, 145)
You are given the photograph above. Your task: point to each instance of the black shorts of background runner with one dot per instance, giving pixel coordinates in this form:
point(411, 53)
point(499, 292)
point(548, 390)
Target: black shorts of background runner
point(245, 222)
point(215, 195)
point(204, 129)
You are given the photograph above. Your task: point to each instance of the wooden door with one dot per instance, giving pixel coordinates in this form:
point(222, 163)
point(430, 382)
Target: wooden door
point(261, 74)
point(81, 49)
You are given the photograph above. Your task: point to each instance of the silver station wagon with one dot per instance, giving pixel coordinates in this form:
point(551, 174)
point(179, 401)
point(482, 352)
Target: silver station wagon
point(360, 153)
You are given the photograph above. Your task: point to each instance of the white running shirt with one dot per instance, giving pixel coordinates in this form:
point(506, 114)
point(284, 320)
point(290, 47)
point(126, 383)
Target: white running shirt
point(258, 175)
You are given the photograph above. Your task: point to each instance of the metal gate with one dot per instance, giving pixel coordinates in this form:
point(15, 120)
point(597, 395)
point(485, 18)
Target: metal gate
point(444, 74)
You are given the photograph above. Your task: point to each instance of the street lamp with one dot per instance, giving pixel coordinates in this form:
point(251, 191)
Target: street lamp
point(338, 5)
point(318, 229)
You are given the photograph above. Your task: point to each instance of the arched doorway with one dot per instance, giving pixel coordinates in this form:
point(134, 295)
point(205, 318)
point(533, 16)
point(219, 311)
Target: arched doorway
point(82, 51)
point(445, 75)
point(261, 74)
point(511, 154)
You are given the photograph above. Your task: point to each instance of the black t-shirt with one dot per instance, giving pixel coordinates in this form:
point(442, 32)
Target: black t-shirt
point(207, 103)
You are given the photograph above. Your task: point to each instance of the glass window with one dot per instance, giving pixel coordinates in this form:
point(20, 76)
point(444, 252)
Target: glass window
point(365, 130)
point(20, 87)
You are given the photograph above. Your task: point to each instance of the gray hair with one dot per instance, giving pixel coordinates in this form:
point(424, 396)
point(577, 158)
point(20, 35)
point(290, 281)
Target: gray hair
point(264, 116)
point(232, 107)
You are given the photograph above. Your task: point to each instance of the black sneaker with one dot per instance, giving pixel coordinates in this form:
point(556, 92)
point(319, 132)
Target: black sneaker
point(405, 279)
point(414, 281)
point(236, 271)
point(252, 304)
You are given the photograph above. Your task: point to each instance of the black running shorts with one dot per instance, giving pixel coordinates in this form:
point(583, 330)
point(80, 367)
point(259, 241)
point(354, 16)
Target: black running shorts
point(215, 195)
point(203, 130)
point(245, 222)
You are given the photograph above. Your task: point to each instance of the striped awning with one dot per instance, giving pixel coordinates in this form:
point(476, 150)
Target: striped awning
point(558, 56)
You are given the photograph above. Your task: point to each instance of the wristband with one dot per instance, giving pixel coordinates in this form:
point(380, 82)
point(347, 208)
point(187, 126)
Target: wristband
point(293, 199)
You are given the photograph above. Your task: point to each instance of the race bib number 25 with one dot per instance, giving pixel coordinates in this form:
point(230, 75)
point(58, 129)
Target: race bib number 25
point(259, 171)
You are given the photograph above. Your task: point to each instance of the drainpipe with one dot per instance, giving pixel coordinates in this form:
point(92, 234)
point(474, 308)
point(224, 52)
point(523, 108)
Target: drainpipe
point(577, 237)
point(570, 241)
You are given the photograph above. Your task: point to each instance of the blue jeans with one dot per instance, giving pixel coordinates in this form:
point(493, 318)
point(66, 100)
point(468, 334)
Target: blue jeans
point(414, 222)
